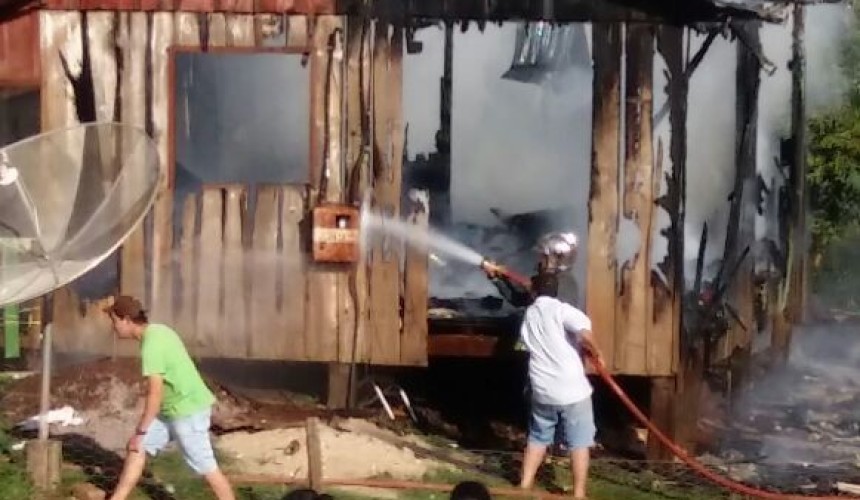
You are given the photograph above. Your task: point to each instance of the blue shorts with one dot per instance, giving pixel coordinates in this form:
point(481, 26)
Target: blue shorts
point(576, 420)
point(191, 434)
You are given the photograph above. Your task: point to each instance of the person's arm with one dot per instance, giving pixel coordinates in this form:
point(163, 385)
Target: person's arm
point(517, 295)
point(152, 404)
point(578, 325)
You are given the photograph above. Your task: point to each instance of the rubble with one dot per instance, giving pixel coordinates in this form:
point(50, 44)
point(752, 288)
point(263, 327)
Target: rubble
point(797, 428)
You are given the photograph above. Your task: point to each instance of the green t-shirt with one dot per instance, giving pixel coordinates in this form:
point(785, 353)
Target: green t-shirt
point(163, 353)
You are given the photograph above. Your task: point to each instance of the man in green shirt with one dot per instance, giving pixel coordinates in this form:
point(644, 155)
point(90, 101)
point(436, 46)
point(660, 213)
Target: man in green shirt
point(178, 403)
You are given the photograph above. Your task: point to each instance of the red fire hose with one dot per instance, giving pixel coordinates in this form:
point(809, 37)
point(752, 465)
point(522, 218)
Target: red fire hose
point(687, 459)
point(674, 448)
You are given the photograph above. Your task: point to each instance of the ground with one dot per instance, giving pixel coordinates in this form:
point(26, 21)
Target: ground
point(270, 440)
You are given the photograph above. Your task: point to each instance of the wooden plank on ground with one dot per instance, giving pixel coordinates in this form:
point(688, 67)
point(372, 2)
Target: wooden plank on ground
point(235, 331)
point(267, 327)
point(293, 277)
point(210, 263)
point(603, 198)
point(632, 314)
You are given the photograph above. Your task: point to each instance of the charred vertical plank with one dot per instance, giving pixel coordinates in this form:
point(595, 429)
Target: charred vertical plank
point(321, 335)
point(235, 331)
point(268, 329)
point(356, 156)
point(666, 331)
point(297, 32)
point(210, 264)
point(603, 198)
point(413, 348)
point(413, 337)
point(798, 277)
point(240, 30)
point(189, 251)
point(741, 230)
point(160, 36)
point(632, 315)
point(132, 259)
point(384, 279)
point(293, 276)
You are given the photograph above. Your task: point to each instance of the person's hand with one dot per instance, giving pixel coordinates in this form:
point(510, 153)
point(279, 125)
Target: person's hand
point(594, 356)
point(135, 444)
point(492, 270)
point(597, 359)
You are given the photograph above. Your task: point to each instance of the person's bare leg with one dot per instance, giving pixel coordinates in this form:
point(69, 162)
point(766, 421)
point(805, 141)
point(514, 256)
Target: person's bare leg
point(220, 485)
point(579, 470)
point(532, 459)
point(135, 461)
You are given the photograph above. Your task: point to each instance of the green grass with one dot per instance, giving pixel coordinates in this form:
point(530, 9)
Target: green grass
point(14, 484)
point(837, 281)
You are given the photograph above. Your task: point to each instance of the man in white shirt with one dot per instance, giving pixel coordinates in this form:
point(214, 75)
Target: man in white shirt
point(555, 335)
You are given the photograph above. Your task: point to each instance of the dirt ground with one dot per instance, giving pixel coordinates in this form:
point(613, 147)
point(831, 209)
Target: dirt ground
point(347, 453)
point(261, 439)
point(108, 396)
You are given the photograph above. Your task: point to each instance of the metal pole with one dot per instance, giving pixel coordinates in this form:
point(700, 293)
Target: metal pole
point(45, 402)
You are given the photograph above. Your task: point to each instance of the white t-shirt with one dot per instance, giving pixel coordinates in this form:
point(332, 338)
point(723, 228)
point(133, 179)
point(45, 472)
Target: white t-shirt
point(550, 333)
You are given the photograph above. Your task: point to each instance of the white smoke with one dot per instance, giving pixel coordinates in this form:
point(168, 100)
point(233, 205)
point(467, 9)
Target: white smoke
point(520, 147)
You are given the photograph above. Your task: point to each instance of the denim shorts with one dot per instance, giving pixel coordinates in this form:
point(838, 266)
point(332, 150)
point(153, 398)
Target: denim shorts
point(576, 421)
point(191, 434)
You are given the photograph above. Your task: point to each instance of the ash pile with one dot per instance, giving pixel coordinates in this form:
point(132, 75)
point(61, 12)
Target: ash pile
point(797, 428)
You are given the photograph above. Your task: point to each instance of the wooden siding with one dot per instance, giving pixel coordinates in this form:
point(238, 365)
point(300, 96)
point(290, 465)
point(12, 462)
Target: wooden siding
point(209, 6)
point(634, 310)
point(238, 284)
point(19, 51)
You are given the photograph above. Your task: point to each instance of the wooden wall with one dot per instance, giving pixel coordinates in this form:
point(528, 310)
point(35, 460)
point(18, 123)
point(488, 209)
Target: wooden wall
point(206, 279)
point(19, 51)
point(635, 310)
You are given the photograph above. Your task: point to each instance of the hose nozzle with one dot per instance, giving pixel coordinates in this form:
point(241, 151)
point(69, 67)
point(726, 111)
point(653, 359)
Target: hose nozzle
point(491, 268)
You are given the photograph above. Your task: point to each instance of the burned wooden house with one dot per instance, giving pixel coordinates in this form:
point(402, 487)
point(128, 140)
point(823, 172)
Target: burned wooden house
point(230, 260)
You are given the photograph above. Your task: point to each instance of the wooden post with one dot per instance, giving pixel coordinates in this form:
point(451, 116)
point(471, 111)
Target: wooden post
point(740, 233)
point(633, 311)
point(441, 210)
point(44, 456)
point(339, 386)
point(674, 400)
point(314, 446)
point(603, 198)
point(662, 413)
point(797, 280)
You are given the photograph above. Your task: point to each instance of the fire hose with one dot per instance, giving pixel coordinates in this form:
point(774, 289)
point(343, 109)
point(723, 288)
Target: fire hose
point(676, 450)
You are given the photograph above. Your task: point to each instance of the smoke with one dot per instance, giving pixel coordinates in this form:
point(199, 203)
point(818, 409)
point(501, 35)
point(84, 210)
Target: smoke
point(522, 147)
point(227, 133)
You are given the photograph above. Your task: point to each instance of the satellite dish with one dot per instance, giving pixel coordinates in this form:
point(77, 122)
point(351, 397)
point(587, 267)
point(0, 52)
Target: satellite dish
point(68, 199)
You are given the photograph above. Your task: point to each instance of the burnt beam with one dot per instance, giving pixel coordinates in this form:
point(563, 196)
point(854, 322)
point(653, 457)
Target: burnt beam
point(630, 11)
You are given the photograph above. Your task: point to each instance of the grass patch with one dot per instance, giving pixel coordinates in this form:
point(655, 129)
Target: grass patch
point(837, 281)
point(14, 483)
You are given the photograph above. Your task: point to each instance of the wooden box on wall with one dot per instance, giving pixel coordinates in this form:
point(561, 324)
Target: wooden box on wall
point(335, 233)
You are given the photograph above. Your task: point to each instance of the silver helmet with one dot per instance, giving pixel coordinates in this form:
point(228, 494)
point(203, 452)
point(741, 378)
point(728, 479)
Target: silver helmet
point(558, 250)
